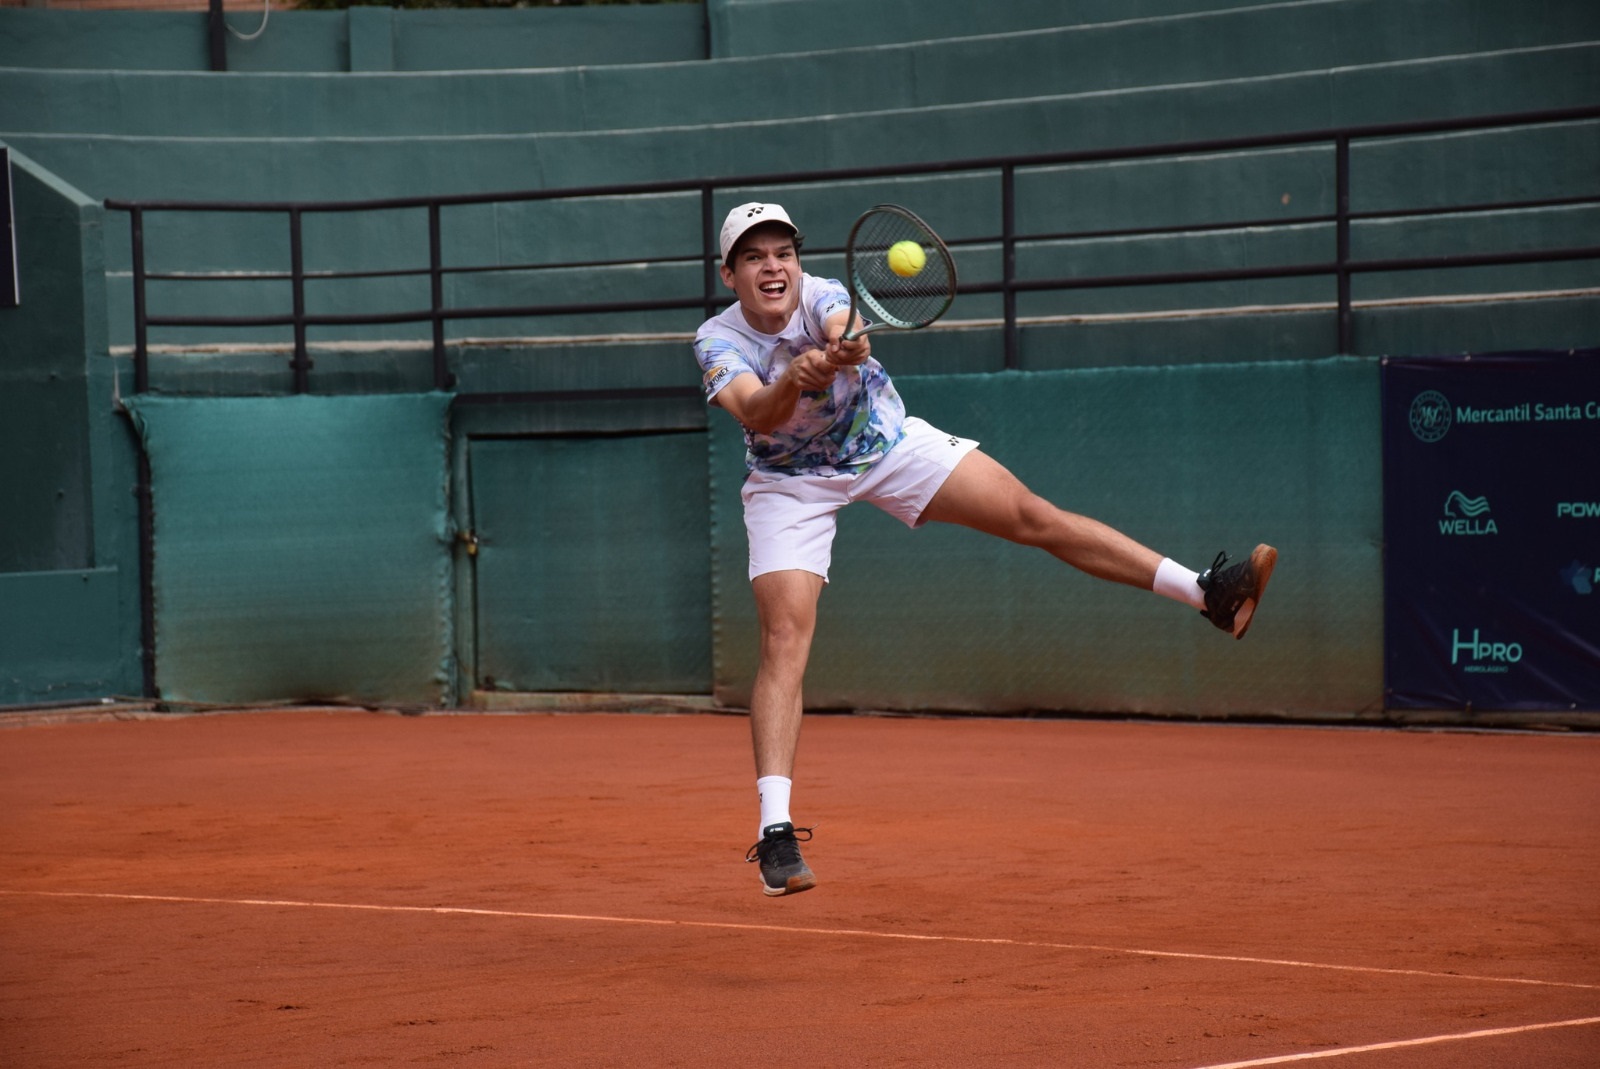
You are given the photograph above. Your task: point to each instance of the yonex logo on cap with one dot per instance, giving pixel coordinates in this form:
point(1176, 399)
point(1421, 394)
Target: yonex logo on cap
point(750, 215)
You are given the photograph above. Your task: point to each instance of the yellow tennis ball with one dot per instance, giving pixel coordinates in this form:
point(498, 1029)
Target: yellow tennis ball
point(906, 258)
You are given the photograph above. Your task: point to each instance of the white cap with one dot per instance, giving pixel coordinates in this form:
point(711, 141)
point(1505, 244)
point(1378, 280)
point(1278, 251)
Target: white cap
point(746, 216)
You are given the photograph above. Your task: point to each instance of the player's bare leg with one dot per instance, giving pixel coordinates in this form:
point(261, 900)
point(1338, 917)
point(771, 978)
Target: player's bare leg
point(786, 607)
point(982, 494)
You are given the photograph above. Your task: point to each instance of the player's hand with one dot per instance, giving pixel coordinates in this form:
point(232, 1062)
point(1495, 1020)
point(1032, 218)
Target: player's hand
point(812, 370)
point(842, 353)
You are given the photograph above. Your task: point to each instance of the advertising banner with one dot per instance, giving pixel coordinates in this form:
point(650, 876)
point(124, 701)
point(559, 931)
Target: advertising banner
point(1491, 471)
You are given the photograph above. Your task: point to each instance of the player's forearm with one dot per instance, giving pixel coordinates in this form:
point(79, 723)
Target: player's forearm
point(771, 406)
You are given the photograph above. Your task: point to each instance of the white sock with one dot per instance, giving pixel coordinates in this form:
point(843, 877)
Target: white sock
point(774, 792)
point(1175, 581)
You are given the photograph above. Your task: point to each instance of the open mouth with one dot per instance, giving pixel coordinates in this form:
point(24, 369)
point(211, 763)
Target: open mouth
point(774, 289)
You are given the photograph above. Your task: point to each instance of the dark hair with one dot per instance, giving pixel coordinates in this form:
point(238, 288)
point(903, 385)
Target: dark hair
point(799, 238)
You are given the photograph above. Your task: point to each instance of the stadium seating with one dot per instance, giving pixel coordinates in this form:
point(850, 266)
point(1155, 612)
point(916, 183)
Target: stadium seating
point(1016, 83)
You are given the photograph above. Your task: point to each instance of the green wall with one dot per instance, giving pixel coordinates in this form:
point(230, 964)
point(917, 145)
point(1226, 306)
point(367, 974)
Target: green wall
point(69, 609)
point(592, 570)
point(1188, 460)
point(48, 342)
point(303, 547)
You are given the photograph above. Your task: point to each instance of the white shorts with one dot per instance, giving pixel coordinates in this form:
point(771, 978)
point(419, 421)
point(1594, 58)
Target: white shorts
point(791, 519)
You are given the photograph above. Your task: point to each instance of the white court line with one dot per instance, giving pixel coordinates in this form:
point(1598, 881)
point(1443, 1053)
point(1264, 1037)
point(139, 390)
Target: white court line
point(791, 930)
point(1285, 1059)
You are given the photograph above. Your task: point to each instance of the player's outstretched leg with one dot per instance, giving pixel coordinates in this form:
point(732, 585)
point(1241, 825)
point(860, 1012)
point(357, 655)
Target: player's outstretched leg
point(783, 870)
point(1232, 594)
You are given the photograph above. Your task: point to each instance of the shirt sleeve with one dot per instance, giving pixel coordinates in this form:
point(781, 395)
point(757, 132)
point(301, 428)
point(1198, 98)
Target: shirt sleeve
point(721, 361)
point(828, 296)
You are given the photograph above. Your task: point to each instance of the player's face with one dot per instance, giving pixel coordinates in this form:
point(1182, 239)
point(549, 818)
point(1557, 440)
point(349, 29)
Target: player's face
point(764, 273)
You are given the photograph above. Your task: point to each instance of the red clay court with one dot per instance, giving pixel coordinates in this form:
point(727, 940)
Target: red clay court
point(344, 888)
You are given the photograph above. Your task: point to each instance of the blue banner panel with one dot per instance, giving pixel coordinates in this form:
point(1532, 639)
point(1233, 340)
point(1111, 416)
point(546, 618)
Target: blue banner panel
point(1491, 487)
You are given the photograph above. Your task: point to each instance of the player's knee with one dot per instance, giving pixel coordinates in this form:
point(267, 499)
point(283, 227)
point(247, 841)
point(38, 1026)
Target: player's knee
point(785, 635)
point(1036, 520)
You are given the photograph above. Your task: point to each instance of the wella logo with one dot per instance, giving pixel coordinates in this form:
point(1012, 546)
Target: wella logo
point(1465, 515)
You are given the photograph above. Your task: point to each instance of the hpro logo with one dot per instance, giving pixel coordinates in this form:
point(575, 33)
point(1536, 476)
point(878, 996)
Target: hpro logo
point(1481, 656)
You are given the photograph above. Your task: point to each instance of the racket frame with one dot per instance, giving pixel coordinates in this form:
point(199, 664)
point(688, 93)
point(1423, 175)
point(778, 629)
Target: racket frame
point(933, 247)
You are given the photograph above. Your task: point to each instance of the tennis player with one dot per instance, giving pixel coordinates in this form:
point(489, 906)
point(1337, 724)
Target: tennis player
point(824, 427)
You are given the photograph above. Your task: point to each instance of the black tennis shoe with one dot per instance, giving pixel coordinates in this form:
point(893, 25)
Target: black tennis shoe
point(783, 870)
point(1233, 594)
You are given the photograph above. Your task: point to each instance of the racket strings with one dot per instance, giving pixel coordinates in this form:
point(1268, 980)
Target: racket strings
point(906, 301)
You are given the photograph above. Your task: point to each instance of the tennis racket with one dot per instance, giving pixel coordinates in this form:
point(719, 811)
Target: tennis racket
point(898, 269)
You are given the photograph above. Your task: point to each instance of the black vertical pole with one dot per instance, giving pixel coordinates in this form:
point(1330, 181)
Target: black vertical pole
point(1342, 168)
point(301, 364)
point(147, 571)
point(142, 490)
point(1008, 249)
point(441, 370)
point(708, 230)
point(217, 36)
point(10, 287)
point(141, 331)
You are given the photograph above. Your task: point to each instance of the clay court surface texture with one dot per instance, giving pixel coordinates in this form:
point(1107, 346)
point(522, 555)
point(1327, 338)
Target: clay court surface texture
point(329, 888)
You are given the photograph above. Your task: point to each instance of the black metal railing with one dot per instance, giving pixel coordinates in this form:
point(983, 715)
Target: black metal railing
point(1341, 268)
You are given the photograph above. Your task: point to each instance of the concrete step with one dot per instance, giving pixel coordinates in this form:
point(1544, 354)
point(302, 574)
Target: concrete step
point(1178, 51)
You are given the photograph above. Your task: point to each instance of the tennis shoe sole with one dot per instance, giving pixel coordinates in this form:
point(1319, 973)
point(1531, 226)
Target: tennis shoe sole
point(1262, 560)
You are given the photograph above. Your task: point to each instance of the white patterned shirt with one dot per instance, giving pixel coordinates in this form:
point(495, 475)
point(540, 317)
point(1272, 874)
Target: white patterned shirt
point(845, 428)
